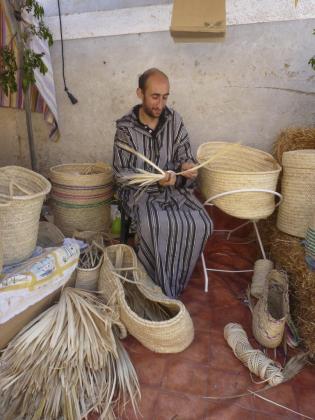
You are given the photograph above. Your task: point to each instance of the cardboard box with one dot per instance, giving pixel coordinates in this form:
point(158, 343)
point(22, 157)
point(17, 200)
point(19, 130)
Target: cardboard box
point(198, 20)
point(14, 325)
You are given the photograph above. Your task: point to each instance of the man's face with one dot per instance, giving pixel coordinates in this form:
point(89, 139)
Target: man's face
point(155, 95)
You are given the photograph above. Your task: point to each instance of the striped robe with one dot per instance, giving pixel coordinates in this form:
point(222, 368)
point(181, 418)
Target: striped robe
point(171, 224)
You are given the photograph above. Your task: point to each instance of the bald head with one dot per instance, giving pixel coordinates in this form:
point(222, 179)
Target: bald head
point(148, 74)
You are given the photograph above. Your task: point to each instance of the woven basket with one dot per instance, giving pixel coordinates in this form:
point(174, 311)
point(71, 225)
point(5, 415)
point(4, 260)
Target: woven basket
point(168, 336)
point(262, 268)
point(298, 190)
point(81, 195)
point(271, 311)
point(88, 278)
point(22, 193)
point(49, 235)
point(240, 168)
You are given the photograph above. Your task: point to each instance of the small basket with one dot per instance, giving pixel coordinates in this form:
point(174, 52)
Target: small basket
point(87, 278)
point(22, 193)
point(81, 195)
point(228, 178)
point(298, 190)
point(169, 336)
point(271, 311)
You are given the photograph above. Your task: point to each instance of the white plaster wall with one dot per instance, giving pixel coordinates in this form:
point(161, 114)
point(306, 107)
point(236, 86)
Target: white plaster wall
point(248, 88)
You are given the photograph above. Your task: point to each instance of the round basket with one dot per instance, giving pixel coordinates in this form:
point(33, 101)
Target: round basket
point(169, 336)
point(81, 195)
point(239, 168)
point(298, 190)
point(22, 193)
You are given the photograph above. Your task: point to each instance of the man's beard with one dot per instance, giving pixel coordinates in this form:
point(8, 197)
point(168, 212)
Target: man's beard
point(149, 112)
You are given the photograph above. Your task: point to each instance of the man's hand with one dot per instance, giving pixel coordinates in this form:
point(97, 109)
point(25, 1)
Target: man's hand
point(190, 174)
point(169, 179)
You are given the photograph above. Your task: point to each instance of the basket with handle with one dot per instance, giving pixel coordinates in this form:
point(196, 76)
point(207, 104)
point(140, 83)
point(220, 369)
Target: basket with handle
point(22, 193)
point(81, 195)
point(241, 182)
point(170, 335)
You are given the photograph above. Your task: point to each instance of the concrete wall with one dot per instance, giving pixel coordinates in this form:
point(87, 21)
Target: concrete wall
point(246, 89)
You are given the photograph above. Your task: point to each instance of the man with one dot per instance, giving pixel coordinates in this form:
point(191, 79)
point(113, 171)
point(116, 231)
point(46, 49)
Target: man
point(172, 226)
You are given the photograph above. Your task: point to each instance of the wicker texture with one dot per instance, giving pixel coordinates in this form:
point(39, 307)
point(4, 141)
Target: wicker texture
point(22, 193)
point(298, 190)
point(240, 168)
point(271, 311)
point(169, 336)
point(81, 195)
point(87, 278)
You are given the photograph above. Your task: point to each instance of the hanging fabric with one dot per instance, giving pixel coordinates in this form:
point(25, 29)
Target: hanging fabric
point(43, 96)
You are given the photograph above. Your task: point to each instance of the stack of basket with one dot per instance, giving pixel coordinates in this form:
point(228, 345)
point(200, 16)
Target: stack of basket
point(22, 193)
point(81, 196)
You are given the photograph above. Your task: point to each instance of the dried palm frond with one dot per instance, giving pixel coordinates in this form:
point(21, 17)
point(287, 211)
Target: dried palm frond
point(144, 178)
point(67, 363)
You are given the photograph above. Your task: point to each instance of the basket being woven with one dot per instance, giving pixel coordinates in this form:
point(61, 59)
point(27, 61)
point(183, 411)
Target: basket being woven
point(239, 168)
point(81, 195)
point(169, 336)
point(298, 190)
point(22, 193)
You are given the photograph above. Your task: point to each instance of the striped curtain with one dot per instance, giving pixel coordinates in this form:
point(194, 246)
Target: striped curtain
point(43, 97)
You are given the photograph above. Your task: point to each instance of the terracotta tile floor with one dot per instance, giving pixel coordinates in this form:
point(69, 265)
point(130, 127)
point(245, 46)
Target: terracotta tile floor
point(174, 386)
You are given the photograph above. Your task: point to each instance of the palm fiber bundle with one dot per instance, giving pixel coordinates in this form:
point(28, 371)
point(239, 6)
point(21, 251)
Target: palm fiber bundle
point(67, 363)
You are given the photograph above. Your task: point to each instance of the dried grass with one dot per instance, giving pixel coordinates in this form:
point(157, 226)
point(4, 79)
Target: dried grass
point(288, 254)
point(67, 363)
point(293, 139)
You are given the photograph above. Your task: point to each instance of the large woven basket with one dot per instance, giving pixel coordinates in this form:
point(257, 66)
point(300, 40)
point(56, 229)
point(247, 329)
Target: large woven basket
point(22, 193)
point(298, 190)
point(81, 195)
point(239, 168)
point(168, 336)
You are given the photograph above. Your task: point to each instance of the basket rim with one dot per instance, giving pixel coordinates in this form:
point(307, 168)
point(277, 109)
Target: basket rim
point(224, 171)
point(46, 187)
point(104, 165)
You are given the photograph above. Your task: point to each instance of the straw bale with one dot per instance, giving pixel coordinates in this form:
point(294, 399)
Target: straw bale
point(288, 254)
point(293, 139)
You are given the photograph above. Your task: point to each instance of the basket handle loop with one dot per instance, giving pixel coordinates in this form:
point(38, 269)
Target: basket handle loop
point(223, 194)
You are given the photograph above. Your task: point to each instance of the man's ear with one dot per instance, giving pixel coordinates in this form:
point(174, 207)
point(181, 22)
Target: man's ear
point(140, 94)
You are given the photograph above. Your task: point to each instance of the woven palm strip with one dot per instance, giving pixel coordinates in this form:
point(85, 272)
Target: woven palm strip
point(293, 139)
point(241, 168)
point(298, 190)
point(22, 193)
point(262, 268)
point(168, 336)
point(81, 195)
point(271, 311)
